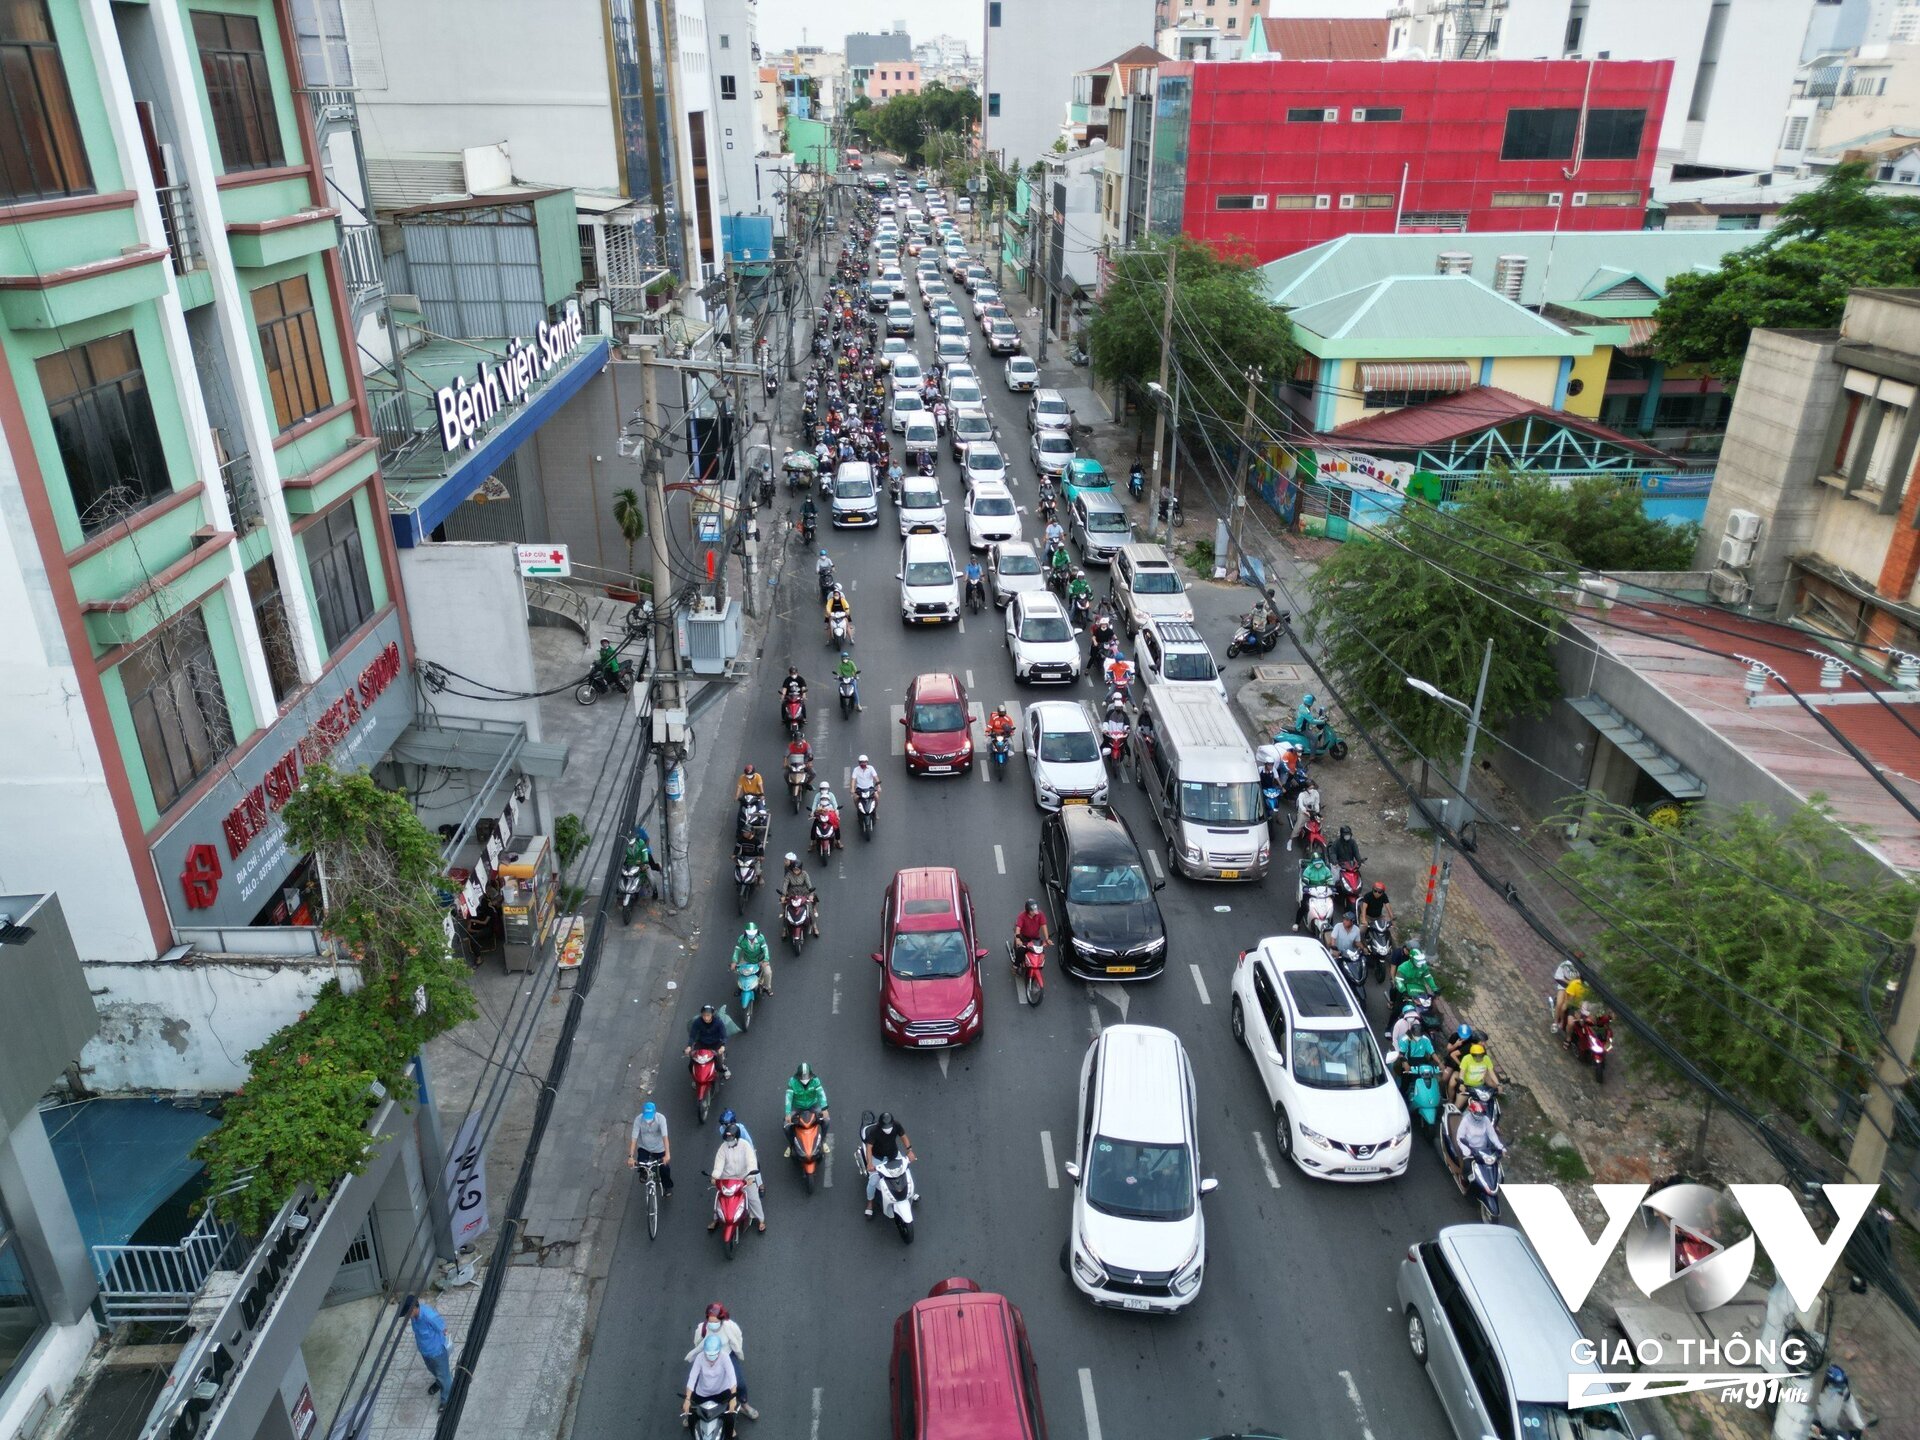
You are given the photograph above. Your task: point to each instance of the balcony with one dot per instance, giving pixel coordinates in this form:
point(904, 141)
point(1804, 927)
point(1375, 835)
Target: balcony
point(243, 494)
point(158, 1283)
point(182, 228)
point(360, 260)
point(333, 111)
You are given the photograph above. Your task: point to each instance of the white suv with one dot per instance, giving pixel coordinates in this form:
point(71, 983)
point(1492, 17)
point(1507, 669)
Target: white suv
point(1146, 586)
point(1174, 653)
point(1337, 1112)
point(929, 587)
point(1138, 1240)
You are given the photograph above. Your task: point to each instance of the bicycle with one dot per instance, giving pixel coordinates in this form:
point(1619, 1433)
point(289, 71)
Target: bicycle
point(650, 1169)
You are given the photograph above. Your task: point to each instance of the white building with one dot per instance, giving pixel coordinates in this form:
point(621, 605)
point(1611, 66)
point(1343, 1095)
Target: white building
point(1031, 58)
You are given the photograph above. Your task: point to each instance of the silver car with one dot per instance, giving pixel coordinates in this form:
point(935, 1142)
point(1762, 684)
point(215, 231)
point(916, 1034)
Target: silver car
point(1101, 525)
point(1014, 569)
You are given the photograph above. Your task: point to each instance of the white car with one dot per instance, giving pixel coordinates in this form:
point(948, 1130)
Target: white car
point(1013, 568)
point(965, 395)
point(985, 465)
point(992, 516)
point(856, 500)
point(1173, 653)
point(1337, 1112)
point(1041, 640)
point(929, 584)
point(1063, 755)
point(964, 204)
point(907, 373)
point(1147, 586)
point(890, 275)
point(892, 348)
point(956, 372)
point(933, 297)
point(983, 296)
point(1052, 449)
point(923, 509)
point(905, 402)
point(1139, 1240)
point(1022, 373)
point(953, 327)
point(950, 348)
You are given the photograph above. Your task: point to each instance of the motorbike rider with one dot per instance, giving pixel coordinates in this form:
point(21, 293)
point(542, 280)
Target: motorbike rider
point(1306, 808)
point(1411, 977)
point(865, 778)
point(1475, 1072)
point(1837, 1412)
point(807, 1091)
point(826, 806)
point(649, 1138)
point(749, 783)
point(838, 604)
point(795, 881)
point(1573, 993)
point(1405, 1030)
point(1374, 905)
point(1476, 1130)
point(640, 850)
point(794, 687)
point(607, 664)
point(885, 1139)
point(802, 747)
point(735, 1160)
point(847, 670)
point(1031, 924)
point(719, 1322)
point(1056, 539)
point(1115, 724)
point(1344, 936)
point(1000, 723)
point(976, 580)
point(1314, 873)
point(1119, 674)
point(1078, 588)
point(1345, 850)
point(713, 1376)
point(809, 516)
point(752, 948)
point(706, 1031)
point(1099, 632)
point(823, 571)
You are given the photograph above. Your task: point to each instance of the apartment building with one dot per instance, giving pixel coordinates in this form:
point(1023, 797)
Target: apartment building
point(1031, 58)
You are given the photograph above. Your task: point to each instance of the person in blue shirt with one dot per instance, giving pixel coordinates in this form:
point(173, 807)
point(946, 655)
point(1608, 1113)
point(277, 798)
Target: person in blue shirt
point(430, 1335)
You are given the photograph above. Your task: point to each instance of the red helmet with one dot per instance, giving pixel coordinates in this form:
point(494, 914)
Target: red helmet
point(747, 771)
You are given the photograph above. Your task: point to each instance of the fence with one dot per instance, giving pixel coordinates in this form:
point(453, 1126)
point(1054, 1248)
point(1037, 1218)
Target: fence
point(158, 1282)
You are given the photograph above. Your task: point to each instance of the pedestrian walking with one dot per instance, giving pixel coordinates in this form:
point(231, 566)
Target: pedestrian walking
point(430, 1334)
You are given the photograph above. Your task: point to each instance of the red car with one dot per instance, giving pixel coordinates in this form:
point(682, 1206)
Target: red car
point(930, 991)
point(939, 726)
point(963, 1369)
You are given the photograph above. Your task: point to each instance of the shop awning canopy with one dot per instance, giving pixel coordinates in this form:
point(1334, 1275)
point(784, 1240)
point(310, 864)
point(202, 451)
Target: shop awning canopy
point(1630, 740)
point(481, 750)
point(1417, 375)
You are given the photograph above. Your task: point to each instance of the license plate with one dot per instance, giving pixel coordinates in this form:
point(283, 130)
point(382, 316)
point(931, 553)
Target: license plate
point(932, 1040)
point(1229, 874)
point(1123, 969)
point(1133, 1304)
point(939, 769)
point(931, 619)
point(1073, 799)
point(1363, 1169)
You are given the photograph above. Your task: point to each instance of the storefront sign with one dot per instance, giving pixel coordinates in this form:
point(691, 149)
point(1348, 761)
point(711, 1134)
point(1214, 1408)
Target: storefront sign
point(302, 1414)
point(465, 409)
point(466, 1183)
point(543, 561)
point(219, 865)
point(1339, 465)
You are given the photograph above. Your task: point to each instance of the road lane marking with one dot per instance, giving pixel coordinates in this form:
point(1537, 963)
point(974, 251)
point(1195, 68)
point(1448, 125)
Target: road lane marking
point(1046, 1158)
point(1200, 984)
point(1093, 1411)
point(1359, 1410)
point(963, 626)
point(1266, 1160)
point(826, 1167)
point(999, 859)
point(836, 992)
point(969, 679)
point(1153, 859)
point(814, 1433)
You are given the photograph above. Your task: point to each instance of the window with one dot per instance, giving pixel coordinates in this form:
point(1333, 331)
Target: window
point(1796, 136)
point(290, 348)
point(179, 710)
point(1521, 199)
point(1434, 220)
point(45, 158)
point(1294, 202)
point(993, 103)
point(1308, 115)
point(103, 423)
point(1375, 114)
point(1379, 200)
point(1575, 25)
point(1268, 999)
point(1232, 24)
point(1619, 199)
point(1540, 135)
point(726, 42)
point(339, 571)
point(1613, 134)
point(993, 13)
point(1398, 399)
point(1234, 202)
point(19, 1317)
point(276, 639)
point(239, 91)
point(1736, 222)
point(727, 88)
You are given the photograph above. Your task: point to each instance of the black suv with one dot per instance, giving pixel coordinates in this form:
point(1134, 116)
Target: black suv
point(1099, 898)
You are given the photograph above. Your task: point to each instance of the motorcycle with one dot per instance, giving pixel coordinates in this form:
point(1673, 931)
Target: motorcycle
point(1059, 576)
point(1476, 1176)
point(603, 678)
point(769, 382)
point(808, 1136)
point(1319, 909)
point(826, 833)
point(1314, 836)
point(1029, 959)
point(1377, 941)
point(1353, 965)
point(1422, 986)
point(839, 631)
point(1274, 799)
point(746, 878)
point(1346, 884)
point(746, 975)
point(809, 527)
point(633, 875)
point(793, 714)
point(1422, 1088)
point(1001, 748)
point(799, 778)
point(1080, 611)
point(796, 921)
point(708, 1416)
point(925, 464)
point(897, 1195)
point(1316, 739)
point(706, 1080)
point(865, 804)
point(825, 576)
point(801, 468)
point(1170, 508)
point(750, 830)
point(1589, 1034)
point(1249, 641)
point(847, 698)
point(730, 1209)
point(1136, 481)
point(976, 594)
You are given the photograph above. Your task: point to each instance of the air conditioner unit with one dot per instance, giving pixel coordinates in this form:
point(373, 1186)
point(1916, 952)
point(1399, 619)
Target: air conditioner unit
point(1331, 115)
point(1743, 525)
point(1579, 198)
point(1728, 588)
point(1597, 592)
point(1323, 202)
point(1735, 554)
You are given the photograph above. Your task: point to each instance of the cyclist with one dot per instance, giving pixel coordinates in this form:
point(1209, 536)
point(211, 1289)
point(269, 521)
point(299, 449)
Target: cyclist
point(649, 1141)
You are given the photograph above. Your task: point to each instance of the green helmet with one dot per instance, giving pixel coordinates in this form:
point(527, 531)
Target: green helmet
point(753, 930)
point(1416, 955)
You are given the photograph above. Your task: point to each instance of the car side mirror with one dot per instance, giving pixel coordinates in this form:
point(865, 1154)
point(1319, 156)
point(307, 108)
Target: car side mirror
point(1209, 1185)
point(1073, 1171)
point(1159, 885)
point(903, 719)
point(900, 575)
point(980, 954)
point(878, 958)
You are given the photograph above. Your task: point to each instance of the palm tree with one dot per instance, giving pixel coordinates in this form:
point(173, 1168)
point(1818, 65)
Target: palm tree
point(631, 516)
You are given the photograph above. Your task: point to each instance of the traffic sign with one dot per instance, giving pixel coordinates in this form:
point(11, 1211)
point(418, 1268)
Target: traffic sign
point(543, 561)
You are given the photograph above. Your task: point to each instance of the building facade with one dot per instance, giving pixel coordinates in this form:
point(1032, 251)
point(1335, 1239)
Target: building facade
point(1270, 158)
point(1030, 61)
point(889, 78)
point(865, 50)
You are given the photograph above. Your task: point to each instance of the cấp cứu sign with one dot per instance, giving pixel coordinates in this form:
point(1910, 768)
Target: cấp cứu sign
point(466, 407)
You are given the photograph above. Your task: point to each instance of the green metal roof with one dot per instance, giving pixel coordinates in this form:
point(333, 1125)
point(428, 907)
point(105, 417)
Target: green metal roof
point(1569, 269)
point(1433, 317)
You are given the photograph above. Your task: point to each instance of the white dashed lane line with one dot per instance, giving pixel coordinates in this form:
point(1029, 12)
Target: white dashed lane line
point(999, 859)
point(1266, 1160)
point(1200, 984)
point(1046, 1158)
point(1093, 1410)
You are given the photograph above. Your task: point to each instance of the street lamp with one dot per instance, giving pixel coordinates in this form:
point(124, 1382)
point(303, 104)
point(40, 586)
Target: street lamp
point(1437, 906)
point(1169, 492)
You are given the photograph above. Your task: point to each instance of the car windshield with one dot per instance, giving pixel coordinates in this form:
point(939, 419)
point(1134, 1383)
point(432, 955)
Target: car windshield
point(1069, 747)
point(922, 432)
point(1019, 562)
point(935, 717)
point(1336, 1060)
point(1556, 1422)
point(968, 394)
point(1051, 409)
point(930, 572)
point(972, 424)
point(993, 505)
point(1124, 883)
point(921, 499)
point(929, 955)
point(1156, 582)
point(1190, 665)
point(1046, 629)
point(906, 401)
point(1107, 522)
point(1140, 1182)
point(853, 487)
point(1221, 802)
point(1055, 444)
point(985, 457)
point(1022, 367)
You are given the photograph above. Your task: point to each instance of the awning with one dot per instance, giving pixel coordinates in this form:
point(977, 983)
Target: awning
point(1632, 742)
point(461, 749)
point(1418, 375)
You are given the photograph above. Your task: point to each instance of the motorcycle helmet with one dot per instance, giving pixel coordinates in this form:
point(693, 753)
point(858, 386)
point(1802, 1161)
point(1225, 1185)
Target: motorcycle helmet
point(707, 1009)
point(862, 760)
point(886, 1122)
point(1477, 1099)
point(1477, 1049)
point(843, 654)
point(649, 1111)
point(732, 1132)
point(712, 1346)
point(1408, 1010)
point(791, 858)
point(1418, 957)
point(1465, 1032)
point(752, 929)
point(728, 1117)
point(1032, 904)
point(1836, 1378)
point(804, 1073)
point(1380, 887)
point(1306, 699)
point(1347, 916)
point(747, 771)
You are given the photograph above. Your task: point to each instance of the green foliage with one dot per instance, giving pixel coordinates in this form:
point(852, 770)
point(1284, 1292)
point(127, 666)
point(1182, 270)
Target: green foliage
point(1791, 977)
point(904, 123)
point(1387, 590)
point(300, 1118)
point(1597, 523)
point(1222, 323)
point(1830, 240)
point(570, 838)
point(630, 514)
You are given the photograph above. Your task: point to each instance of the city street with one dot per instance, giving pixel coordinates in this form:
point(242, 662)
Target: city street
point(1295, 1330)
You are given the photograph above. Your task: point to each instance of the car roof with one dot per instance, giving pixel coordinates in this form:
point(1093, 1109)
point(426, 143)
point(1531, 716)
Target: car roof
point(1099, 833)
point(1015, 547)
point(1135, 1103)
point(1175, 632)
point(1045, 394)
point(1312, 988)
point(1086, 465)
point(985, 447)
point(1055, 715)
point(1509, 1288)
point(969, 1367)
point(926, 897)
point(1040, 602)
point(1097, 500)
point(1146, 556)
point(934, 685)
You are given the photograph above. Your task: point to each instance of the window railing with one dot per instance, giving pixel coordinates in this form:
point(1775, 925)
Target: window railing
point(360, 259)
point(182, 228)
point(243, 494)
point(157, 1283)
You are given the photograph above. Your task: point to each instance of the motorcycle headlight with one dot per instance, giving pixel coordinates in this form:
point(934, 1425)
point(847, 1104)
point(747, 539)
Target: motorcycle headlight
point(895, 1016)
point(1088, 1268)
point(1316, 1137)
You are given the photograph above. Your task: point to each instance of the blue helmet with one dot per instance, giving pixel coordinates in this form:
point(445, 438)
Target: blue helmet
point(727, 1117)
point(1306, 699)
point(1836, 1378)
point(1465, 1032)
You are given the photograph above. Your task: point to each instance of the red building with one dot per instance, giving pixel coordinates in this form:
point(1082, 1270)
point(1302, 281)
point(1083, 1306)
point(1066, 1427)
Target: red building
point(1282, 154)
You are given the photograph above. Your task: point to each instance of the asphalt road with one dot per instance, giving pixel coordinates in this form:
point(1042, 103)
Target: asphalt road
point(1295, 1330)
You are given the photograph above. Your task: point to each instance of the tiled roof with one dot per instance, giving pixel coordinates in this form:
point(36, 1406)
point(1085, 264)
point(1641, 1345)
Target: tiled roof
point(1305, 38)
point(1789, 744)
point(1455, 313)
point(1465, 413)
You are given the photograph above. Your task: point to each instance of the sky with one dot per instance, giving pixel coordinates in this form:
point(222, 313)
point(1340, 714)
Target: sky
point(828, 22)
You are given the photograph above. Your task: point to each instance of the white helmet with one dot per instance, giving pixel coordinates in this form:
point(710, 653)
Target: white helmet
point(863, 760)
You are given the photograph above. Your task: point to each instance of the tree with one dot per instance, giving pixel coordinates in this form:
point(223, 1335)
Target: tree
point(904, 123)
point(301, 1117)
point(1833, 238)
point(630, 514)
point(1384, 610)
point(1223, 323)
point(1752, 983)
point(1597, 523)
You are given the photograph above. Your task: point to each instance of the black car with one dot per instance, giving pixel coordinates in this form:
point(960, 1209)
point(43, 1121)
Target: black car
point(1099, 898)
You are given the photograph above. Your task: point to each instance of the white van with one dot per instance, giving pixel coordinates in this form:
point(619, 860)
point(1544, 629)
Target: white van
point(930, 587)
point(1203, 784)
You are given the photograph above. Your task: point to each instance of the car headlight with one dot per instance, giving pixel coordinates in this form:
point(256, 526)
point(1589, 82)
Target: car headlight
point(1187, 1279)
point(1100, 795)
point(1048, 791)
point(1192, 852)
point(973, 1007)
point(1084, 948)
point(1088, 1268)
point(1405, 1131)
point(1265, 850)
point(910, 748)
point(1154, 946)
point(895, 1016)
point(1315, 1136)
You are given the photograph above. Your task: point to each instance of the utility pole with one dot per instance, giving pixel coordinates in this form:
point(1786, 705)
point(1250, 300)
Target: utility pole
point(739, 422)
point(1045, 267)
point(1440, 871)
point(1166, 374)
point(1867, 1156)
point(1236, 549)
point(669, 708)
point(1173, 461)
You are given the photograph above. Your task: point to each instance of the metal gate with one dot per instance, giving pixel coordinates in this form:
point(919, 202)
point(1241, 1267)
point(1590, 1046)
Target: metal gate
point(359, 1273)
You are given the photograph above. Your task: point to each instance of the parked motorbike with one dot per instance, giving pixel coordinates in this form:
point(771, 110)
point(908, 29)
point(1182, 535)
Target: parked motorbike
point(865, 804)
point(1170, 512)
point(1029, 959)
point(897, 1195)
point(1317, 739)
point(1589, 1034)
point(746, 877)
point(796, 921)
point(1477, 1176)
point(730, 1209)
point(809, 1132)
point(706, 1080)
point(1002, 751)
